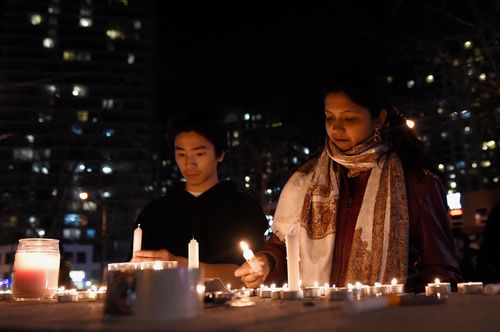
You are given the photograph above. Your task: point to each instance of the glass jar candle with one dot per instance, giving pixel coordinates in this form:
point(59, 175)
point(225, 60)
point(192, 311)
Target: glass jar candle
point(36, 269)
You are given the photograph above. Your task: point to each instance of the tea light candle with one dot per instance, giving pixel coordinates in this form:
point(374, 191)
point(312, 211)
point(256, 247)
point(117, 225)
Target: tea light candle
point(293, 258)
point(313, 292)
point(492, 289)
point(470, 288)
point(341, 293)
point(276, 293)
point(67, 295)
point(6, 295)
point(378, 289)
point(137, 244)
point(250, 257)
point(193, 260)
point(437, 288)
point(266, 292)
point(396, 288)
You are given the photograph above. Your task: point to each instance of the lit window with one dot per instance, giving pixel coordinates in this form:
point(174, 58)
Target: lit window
point(429, 79)
point(36, 19)
point(79, 91)
point(114, 34)
point(465, 114)
point(108, 132)
point(491, 144)
point(108, 103)
point(83, 116)
point(485, 163)
point(69, 55)
point(85, 22)
point(410, 84)
point(107, 170)
point(48, 42)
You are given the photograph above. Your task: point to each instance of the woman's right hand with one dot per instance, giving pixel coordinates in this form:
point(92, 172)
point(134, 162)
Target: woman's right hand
point(249, 277)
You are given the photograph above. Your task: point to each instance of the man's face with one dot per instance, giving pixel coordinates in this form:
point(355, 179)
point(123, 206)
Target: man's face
point(195, 155)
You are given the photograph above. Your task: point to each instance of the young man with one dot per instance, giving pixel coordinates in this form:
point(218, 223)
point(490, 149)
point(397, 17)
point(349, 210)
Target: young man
point(211, 211)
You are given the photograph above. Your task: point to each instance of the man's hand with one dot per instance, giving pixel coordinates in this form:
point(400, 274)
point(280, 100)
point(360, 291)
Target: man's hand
point(251, 278)
point(153, 255)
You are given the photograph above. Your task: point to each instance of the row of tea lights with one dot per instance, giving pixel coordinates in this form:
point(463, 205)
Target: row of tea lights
point(358, 290)
point(68, 295)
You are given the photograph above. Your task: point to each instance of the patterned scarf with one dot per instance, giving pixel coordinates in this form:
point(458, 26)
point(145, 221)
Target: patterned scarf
point(310, 198)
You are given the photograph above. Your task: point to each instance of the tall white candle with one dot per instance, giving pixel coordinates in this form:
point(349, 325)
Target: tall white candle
point(137, 239)
point(293, 258)
point(193, 260)
point(250, 257)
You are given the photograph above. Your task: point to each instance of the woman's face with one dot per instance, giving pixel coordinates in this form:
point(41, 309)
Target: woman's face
point(348, 123)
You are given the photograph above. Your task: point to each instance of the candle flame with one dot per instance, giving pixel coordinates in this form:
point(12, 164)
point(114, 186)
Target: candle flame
point(378, 284)
point(436, 281)
point(273, 286)
point(228, 286)
point(394, 281)
point(350, 286)
point(358, 284)
point(243, 245)
point(316, 284)
point(326, 285)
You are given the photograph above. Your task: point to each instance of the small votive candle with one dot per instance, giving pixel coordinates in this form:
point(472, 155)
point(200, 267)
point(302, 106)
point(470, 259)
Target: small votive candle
point(6, 295)
point(313, 292)
point(492, 289)
point(396, 288)
point(341, 293)
point(470, 287)
point(437, 288)
point(378, 289)
point(67, 295)
point(266, 292)
point(276, 294)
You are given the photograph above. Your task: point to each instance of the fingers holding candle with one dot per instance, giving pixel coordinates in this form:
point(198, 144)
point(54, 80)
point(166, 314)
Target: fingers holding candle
point(153, 255)
point(250, 257)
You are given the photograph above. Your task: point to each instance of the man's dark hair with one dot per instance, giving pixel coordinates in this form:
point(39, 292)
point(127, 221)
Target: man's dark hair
point(206, 124)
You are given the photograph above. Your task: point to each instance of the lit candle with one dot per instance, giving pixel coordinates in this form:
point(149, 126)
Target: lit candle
point(397, 288)
point(293, 258)
point(137, 239)
point(470, 288)
point(67, 295)
point(6, 295)
point(250, 257)
point(437, 288)
point(378, 289)
point(313, 292)
point(492, 289)
point(193, 260)
point(36, 269)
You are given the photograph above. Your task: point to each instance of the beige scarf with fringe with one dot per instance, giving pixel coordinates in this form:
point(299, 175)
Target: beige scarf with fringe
point(310, 198)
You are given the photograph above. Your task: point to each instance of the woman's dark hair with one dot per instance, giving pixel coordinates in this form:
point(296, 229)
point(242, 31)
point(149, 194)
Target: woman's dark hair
point(366, 89)
point(206, 124)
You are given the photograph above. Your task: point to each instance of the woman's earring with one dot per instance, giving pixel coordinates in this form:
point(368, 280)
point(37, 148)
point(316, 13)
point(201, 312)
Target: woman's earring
point(376, 136)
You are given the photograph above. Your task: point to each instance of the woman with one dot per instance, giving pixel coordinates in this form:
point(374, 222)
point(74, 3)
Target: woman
point(369, 208)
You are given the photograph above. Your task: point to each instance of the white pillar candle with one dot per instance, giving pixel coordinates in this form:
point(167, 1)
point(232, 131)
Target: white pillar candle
point(470, 288)
point(193, 260)
point(137, 245)
point(293, 259)
point(250, 257)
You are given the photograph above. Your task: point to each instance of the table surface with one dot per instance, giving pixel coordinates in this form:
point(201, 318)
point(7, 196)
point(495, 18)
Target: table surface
point(460, 313)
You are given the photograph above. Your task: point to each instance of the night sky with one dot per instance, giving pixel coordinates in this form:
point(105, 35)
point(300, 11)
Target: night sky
point(272, 58)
